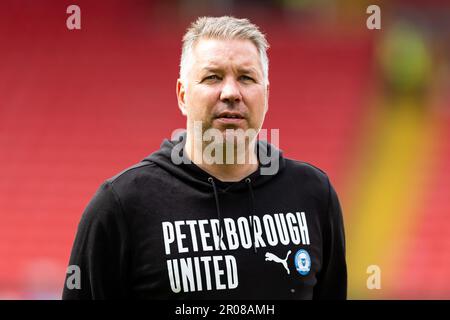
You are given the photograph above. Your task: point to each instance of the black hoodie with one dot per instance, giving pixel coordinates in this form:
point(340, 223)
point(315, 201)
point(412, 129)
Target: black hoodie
point(153, 232)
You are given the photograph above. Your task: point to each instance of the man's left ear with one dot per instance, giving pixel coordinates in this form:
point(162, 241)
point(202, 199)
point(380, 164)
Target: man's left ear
point(267, 97)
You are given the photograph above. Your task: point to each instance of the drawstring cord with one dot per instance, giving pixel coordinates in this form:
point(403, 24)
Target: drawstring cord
point(216, 196)
point(252, 211)
point(248, 181)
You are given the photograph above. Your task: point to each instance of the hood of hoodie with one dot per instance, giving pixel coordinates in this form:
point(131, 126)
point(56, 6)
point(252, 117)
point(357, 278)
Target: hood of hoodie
point(198, 178)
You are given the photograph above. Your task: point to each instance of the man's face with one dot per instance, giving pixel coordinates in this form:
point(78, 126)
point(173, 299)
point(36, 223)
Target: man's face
point(224, 87)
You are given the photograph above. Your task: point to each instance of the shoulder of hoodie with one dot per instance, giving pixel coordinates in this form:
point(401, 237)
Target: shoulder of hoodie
point(318, 183)
point(143, 170)
point(308, 173)
point(305, 168)
point(114, 190)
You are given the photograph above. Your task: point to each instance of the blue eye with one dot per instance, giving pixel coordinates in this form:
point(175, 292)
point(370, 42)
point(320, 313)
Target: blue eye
point(246, 78)
point(212, 77)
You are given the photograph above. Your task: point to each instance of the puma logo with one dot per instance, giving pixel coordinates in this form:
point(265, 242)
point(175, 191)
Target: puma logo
point(274, 258)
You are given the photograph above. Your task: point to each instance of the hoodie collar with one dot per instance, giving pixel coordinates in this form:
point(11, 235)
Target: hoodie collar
point(197, 177)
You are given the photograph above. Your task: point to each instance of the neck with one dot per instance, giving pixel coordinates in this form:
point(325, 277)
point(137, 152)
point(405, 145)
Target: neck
point(226, 169)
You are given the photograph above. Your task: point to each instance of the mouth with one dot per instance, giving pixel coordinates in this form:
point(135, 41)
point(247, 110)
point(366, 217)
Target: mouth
point(230, 117)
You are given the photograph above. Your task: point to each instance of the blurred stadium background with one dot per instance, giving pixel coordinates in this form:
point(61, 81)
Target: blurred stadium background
point(370, 107)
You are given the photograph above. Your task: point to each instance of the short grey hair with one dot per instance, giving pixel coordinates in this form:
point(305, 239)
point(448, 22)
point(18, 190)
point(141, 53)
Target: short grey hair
point(224, 28)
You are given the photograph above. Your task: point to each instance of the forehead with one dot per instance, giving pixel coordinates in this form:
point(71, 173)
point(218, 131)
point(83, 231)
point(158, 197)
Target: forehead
point(221, 53)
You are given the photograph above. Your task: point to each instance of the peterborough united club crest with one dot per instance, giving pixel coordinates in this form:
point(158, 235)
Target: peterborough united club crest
point(302, 262)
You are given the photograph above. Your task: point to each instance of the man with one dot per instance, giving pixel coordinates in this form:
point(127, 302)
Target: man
point(217, 220)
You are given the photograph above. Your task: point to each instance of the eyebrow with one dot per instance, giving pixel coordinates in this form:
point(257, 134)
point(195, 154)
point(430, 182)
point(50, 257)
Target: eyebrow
point(249, 70)
point(211, 69)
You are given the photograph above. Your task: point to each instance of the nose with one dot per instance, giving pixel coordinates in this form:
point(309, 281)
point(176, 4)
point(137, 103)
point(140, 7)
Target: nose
point(230, 91)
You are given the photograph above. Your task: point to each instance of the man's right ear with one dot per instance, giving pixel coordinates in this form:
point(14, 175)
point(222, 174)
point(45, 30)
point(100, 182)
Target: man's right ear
point(180, 96)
